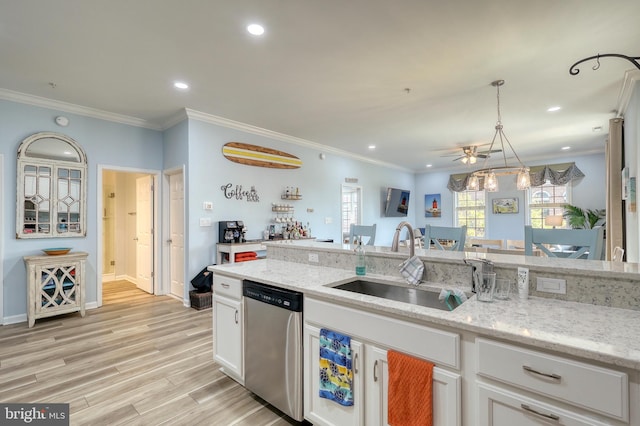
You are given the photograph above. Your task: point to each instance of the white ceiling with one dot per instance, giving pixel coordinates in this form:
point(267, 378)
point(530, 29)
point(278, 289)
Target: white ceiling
point(334, 72)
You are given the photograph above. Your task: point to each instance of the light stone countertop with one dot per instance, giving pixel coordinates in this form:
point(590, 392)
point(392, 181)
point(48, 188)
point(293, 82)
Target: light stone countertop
point(598, 333)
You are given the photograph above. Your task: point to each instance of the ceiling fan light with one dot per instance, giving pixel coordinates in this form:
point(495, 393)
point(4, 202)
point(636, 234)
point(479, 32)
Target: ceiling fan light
point(464, 160)
point(491, 182)
point(472, 160)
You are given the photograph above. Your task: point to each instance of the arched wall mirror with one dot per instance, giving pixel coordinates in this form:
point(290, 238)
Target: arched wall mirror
point(51, 189)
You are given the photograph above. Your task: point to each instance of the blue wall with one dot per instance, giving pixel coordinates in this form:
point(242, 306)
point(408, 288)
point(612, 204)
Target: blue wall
point(105, 143)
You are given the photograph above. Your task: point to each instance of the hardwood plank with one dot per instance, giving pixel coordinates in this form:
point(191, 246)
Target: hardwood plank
point(137, 360)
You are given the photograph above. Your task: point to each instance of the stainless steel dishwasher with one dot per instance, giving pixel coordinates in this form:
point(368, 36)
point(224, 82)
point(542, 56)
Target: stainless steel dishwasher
point(273, 346)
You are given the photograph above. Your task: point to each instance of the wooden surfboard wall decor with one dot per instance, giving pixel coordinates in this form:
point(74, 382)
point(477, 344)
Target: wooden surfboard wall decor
point(254, 155)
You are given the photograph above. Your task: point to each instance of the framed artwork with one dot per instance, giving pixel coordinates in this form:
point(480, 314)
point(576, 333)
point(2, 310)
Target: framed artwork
point(432, 205)
point(505, 205)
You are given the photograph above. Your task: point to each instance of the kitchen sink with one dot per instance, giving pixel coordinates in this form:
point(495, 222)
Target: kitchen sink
point(415, 296)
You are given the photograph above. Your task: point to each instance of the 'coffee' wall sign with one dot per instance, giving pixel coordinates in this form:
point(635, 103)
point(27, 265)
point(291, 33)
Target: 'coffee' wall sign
point(239, 194)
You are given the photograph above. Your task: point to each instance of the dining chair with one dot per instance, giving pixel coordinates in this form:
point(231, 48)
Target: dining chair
point(483, 242)
point(357, 231)
point(586, 243)
point(433, 235)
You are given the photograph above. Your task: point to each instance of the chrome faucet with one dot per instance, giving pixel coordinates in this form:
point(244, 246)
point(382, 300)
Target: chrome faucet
point(412, 240)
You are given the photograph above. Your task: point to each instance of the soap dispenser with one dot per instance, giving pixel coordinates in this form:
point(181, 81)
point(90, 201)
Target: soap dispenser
point(361, 264)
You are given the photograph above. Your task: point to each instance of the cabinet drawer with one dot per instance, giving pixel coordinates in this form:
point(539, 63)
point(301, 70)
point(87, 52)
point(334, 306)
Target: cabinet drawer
point(499, 407)
point(588, 386)
point(227, 286)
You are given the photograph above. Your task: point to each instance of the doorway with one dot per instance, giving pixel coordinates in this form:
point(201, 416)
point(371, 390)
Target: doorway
point(351, 206)
point(129, 213)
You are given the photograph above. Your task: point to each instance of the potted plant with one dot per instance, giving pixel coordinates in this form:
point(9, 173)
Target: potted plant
point(579, 218)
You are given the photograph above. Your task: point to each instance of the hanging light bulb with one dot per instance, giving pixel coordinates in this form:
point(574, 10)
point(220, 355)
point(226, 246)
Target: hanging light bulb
point(491, 182)
point(523, 180)
point(473, 184)
point(464, 160)
point(472, 160)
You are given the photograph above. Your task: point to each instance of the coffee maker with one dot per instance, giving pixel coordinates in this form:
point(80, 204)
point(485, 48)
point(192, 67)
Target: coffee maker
point(231, 231)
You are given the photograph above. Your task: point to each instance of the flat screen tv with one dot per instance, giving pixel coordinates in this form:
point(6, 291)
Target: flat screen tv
point(397, 202)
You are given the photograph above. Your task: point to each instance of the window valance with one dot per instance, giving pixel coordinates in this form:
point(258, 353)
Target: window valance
point(557, 174)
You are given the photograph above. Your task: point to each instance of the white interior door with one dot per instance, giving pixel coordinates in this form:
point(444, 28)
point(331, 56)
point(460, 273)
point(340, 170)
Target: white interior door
point(144, 233)
point(176, 234)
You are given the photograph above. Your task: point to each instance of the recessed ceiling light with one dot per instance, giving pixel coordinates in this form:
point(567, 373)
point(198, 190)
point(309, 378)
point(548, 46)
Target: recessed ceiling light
point(255, 29)
point(597, 129)
point(181, 85)
point(429, 165)
point(554, 109)
point(372, 147)
point(566, 148)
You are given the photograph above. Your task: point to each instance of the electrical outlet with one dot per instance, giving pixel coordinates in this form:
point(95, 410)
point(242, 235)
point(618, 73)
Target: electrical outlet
point(313, 257)
point(207, 205)
point(551, 285)
point(328, 220)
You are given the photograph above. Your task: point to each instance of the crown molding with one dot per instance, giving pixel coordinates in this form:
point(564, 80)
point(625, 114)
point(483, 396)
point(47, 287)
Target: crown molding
point(248, 128)
point(631, 78)
point(38, 101)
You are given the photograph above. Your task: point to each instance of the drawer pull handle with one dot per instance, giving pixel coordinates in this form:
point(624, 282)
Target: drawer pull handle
point(375, 371)
point(355, 363)
point(225, 285)
point(549, 416)
point(551, 376)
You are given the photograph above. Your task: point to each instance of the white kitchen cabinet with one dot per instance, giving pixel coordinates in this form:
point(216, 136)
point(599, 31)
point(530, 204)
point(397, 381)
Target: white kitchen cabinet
point(501, 407)
point(55, 285)
point(446, 391)
point(322, 411)
point(548, 388)
point(228, 330)
point(369, 346)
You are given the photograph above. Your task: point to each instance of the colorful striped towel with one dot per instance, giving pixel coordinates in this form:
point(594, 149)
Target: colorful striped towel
point(336, 374)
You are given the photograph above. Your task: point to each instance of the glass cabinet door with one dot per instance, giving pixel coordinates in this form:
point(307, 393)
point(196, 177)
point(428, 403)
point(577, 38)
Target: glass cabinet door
point(51, 187)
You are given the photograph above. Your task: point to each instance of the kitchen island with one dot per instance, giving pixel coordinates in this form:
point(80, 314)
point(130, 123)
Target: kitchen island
point(596, 347)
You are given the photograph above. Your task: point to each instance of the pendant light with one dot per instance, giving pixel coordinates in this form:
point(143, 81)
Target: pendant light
point(490, 174)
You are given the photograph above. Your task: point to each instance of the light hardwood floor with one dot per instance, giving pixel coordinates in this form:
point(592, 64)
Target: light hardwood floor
point(137, 360)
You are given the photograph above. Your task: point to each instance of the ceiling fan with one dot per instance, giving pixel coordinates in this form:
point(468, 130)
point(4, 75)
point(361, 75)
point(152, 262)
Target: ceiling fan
point(470, 154)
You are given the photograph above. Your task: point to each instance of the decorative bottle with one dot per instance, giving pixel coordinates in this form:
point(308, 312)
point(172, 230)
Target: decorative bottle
point(361, 265)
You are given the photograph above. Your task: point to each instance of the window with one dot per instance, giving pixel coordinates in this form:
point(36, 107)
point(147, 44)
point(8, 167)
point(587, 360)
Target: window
point(351, 208)
point(471, 211)
point(547, 200)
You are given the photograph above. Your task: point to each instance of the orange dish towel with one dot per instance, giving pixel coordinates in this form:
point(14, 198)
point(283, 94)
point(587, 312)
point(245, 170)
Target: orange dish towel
point(410, 390)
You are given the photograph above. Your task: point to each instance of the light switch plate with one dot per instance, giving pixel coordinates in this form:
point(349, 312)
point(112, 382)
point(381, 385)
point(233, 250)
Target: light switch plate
point(551, 285)
point(207, 205)
point(205, 221)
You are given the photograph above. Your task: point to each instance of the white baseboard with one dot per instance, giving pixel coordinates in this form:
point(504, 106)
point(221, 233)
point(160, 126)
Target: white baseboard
point(15, 319)
point(108, 277)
